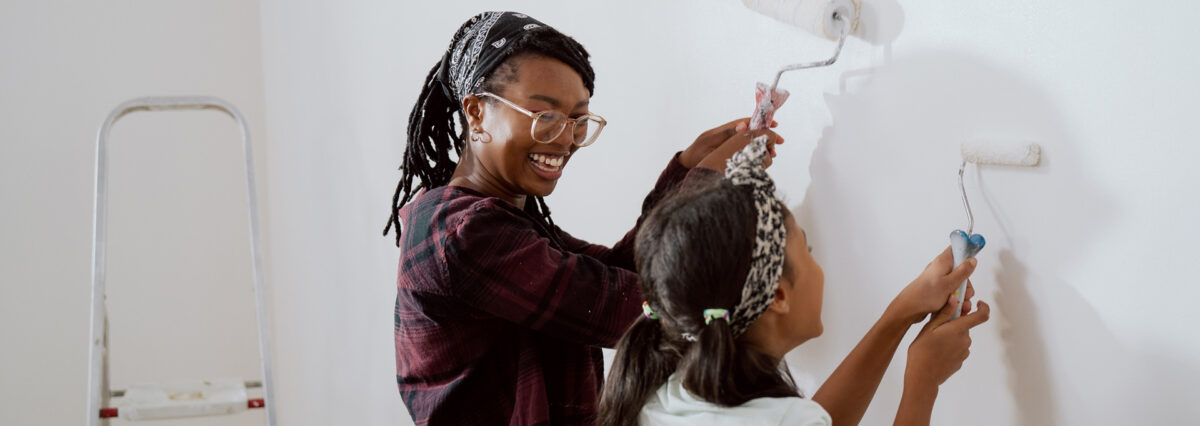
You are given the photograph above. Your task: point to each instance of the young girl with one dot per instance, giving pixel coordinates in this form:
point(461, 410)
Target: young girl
point(731, 287)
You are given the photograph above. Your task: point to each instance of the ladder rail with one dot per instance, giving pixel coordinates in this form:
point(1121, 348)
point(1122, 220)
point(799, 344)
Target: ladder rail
point(99, 390)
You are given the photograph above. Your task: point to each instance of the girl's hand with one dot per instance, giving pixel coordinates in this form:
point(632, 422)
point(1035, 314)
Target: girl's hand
point(927, 293)
point(709, 141)
point(942, 346)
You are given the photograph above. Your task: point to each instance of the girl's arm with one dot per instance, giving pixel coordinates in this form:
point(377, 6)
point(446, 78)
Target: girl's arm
point(849, 390)
point(916, 405)
point(851, 387)
point(936, 354)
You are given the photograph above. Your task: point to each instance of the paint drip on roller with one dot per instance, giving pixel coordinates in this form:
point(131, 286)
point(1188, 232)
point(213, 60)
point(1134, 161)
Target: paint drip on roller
point(819, 17)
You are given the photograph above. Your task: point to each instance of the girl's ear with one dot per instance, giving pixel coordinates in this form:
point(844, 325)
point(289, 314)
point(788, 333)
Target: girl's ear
point(780, 305)
point(472, 106)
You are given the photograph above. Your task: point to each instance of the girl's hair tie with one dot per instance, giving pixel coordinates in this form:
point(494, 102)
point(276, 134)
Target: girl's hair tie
point(649, 313)
point(711, 314)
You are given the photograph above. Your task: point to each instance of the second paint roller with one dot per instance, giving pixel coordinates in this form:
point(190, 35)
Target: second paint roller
point(964, 244)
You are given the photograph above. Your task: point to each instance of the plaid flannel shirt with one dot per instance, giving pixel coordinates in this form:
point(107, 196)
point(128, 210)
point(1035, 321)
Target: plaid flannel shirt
point(499, 319)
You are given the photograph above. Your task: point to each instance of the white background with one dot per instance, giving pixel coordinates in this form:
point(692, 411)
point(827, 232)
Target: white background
point(1087, 263)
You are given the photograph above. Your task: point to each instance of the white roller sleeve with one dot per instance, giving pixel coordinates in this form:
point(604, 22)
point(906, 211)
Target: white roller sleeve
point(814, 16)
point(993, 153)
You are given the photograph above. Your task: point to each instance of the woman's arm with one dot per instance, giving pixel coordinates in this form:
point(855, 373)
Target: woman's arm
point(851, 387)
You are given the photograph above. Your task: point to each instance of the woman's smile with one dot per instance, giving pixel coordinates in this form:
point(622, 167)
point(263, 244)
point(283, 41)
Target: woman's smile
point(548, 165)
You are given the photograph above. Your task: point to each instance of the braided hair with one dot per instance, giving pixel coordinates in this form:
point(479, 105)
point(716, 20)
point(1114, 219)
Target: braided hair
point(435, 144)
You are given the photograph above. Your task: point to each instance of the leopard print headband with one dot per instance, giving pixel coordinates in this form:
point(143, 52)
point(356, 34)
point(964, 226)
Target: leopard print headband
point(766, 265)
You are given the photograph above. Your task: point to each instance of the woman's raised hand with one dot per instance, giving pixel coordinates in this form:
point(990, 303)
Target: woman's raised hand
point(713, 147)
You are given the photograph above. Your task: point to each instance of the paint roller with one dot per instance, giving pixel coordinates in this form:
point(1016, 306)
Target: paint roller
point(830, 19)
point(820, 17)
point(964, 244)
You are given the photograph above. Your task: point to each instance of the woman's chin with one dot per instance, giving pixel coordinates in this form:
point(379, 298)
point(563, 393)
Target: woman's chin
point(538, 187)
point(542, 190)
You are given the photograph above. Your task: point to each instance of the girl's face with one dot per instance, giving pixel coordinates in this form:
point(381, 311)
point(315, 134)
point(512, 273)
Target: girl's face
point(806, 285)
point(513, 161)
point(795, 315)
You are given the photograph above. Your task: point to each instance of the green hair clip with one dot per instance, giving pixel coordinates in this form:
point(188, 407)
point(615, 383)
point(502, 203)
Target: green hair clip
point(649, 313)
point(711, 314)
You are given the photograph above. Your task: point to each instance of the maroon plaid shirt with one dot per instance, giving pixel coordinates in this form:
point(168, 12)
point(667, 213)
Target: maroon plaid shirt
point(500, 319)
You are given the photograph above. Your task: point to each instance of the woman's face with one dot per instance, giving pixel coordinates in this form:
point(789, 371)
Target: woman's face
point(513, 160)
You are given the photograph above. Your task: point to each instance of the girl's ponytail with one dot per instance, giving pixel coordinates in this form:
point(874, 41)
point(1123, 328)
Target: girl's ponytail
point(721, 370)
point(708, 366)
point(644, 361)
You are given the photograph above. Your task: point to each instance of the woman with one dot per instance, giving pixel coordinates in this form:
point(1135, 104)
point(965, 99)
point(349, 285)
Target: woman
point(500, 314)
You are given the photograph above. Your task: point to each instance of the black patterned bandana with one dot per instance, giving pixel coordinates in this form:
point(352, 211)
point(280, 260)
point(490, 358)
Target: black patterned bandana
point(480, 47)
point(766, 265)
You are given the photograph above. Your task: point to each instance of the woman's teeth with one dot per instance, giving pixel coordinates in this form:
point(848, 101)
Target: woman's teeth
point(548, 162)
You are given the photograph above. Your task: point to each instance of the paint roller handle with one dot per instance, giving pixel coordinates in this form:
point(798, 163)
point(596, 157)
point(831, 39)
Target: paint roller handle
point(964, 246)
point(960, 294)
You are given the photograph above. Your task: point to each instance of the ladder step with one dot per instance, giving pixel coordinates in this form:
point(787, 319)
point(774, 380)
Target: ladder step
point(107, 413)
point(192, 398)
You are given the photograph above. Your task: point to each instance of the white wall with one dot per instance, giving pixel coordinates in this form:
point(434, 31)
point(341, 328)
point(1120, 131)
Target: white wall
point(1086, 257)
point(334, 73)
point(178, 267)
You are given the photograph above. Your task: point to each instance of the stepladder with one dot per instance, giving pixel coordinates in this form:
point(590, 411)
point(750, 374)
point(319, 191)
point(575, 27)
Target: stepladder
point(174, 398)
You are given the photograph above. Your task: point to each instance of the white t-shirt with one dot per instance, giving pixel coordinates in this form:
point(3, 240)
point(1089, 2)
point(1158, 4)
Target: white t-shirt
point(673, 405)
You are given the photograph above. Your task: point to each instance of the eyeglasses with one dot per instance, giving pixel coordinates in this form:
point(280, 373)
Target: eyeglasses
point(549, 124)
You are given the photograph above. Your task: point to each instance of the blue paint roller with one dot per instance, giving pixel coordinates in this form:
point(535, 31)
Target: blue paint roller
point(963, 244)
